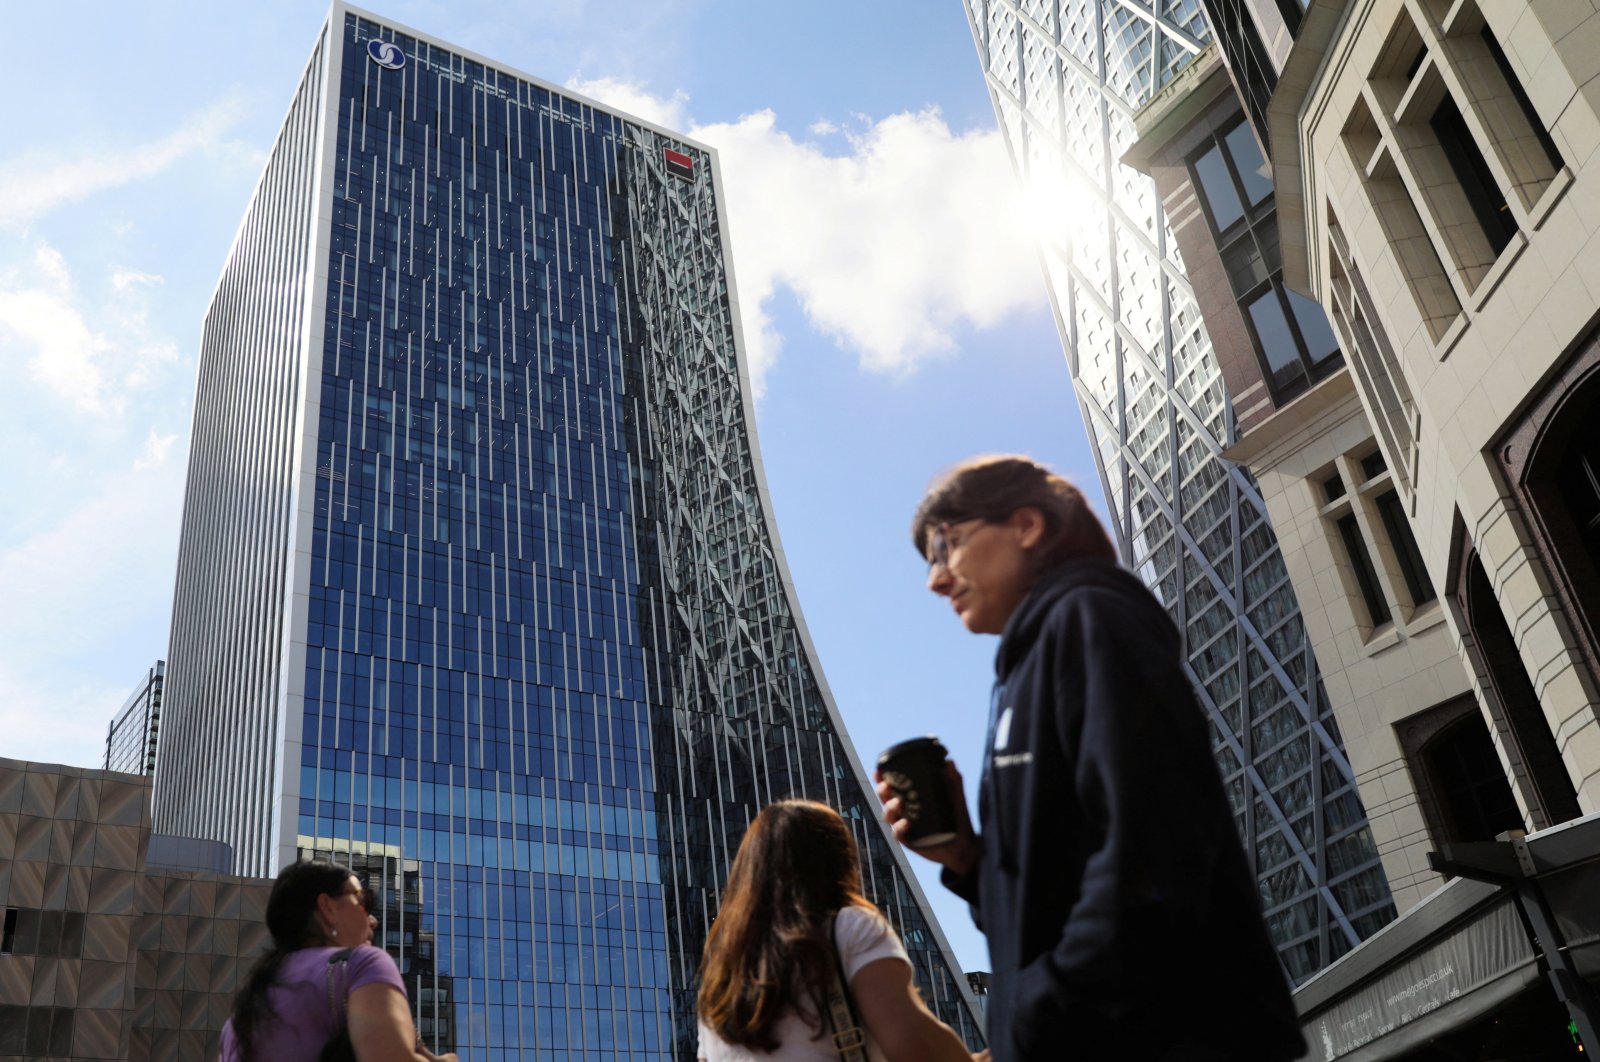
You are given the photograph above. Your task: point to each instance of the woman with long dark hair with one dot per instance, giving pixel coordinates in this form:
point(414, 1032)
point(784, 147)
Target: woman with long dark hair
point(1107, 876)
point(792, 912)
point(283, 1013)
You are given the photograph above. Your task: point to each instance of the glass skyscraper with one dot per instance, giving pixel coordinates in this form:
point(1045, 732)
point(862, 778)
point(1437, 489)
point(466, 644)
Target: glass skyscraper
point(478, 586)
point(131, 737)
point(1066, 77)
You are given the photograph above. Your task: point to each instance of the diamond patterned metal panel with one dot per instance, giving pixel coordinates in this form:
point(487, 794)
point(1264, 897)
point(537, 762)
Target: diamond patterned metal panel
point(1151, 393)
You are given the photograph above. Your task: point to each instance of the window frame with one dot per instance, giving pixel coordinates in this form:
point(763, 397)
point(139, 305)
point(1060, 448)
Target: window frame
point(1395, 578)
point(1256, 229)
point(1418, 734)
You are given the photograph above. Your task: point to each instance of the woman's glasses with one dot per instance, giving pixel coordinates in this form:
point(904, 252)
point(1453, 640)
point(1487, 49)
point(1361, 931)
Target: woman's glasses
point(365, 897)
point(939, 544)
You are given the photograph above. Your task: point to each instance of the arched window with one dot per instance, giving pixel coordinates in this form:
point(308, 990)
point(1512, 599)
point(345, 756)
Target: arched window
point(1551, 459)
point(1512, 702)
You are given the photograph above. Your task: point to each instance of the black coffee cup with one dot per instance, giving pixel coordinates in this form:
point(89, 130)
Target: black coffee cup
point(915, 771)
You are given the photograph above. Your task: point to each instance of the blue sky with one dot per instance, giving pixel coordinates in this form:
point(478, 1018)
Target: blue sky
point(893, 306)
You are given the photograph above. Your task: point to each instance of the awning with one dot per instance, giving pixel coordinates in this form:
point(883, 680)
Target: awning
point(1457, 956)
point(1467, 972)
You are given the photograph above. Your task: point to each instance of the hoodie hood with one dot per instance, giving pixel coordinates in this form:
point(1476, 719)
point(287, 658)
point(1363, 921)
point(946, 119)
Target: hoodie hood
point(1022, 629)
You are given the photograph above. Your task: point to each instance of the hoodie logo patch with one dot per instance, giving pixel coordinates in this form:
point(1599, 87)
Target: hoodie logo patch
point(1002, 730)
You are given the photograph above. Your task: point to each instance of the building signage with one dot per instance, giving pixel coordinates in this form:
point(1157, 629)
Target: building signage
point(1472, 956)
point(679, 164)
point(386, 54)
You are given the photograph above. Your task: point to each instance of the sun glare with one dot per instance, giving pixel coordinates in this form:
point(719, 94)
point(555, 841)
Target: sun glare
point(1057, 208)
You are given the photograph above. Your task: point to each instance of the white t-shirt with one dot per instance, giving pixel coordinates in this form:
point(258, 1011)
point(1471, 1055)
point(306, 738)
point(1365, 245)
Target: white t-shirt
point(863, 937)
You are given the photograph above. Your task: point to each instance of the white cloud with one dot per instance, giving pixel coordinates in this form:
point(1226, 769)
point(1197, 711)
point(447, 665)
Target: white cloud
point(822, 127)
point(155, 451)
point(631, 99)
point(122, 279)
point(145, 352)
point(93, 578)
point(911, 233)
point(67, 356)
point(32, 185)
point(89, 359)
point(55, 719)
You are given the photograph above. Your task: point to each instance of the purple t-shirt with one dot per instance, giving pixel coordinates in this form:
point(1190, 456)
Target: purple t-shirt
point(301, 1022)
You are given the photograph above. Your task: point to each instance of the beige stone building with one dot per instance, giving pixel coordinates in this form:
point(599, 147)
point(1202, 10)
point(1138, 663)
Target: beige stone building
point(1428, 448)
point(1389, 662)
point(1390, 667)
point(1434, 483)
point(1437, 192)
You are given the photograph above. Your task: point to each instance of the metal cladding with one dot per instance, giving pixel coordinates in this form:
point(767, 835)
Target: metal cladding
point(478, 589)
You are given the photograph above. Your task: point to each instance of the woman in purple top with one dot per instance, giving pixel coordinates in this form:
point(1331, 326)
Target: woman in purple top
point(282, 1013)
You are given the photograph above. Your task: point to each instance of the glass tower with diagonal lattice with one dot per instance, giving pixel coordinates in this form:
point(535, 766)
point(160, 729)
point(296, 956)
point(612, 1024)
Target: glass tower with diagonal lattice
point(1065, 77)
point(478, 588)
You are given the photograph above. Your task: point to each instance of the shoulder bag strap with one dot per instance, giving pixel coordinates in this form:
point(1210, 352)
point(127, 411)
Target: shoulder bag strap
point(849, 1039)
point(339, 997)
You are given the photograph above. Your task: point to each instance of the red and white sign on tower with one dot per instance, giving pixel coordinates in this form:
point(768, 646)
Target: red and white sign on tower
point(679, 164)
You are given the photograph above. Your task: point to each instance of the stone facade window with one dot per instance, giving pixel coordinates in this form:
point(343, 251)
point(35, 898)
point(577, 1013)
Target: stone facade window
point(1457, 773)
point(1454, 158)
point(1384, 569)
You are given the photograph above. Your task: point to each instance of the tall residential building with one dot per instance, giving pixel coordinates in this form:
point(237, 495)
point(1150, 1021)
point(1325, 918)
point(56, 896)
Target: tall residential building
point(1066, 78)
point(478, 586)
point(131, 737)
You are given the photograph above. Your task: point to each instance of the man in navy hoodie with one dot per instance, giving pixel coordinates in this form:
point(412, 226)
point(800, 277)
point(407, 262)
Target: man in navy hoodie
point(1122, 917)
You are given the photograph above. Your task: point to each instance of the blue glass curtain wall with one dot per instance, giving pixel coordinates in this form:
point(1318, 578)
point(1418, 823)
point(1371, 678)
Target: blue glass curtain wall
point(551, 671)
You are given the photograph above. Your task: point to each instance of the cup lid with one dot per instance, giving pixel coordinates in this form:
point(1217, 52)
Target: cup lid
point(928, 741)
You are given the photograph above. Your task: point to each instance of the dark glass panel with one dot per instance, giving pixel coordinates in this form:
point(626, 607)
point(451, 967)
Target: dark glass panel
point(1355, 548)
point(1579, 482)
point(1469, 783)
point(1321, 344)
point(1277, 343)
point(1405, 548)
point(1247, 267)
point(1266, 232)
point(25, 940)
point(1472, 170)
point(1254, 174)
point(1217, 189)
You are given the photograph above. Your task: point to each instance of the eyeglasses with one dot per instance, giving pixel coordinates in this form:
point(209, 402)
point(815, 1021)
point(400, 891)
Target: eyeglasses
point(365, 897)
point(939, 544)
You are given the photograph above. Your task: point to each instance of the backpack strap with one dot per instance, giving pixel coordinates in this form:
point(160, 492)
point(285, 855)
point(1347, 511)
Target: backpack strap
point(849, 1039)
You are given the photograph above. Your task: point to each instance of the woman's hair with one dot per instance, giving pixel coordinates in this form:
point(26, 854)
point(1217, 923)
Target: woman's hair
point(993, 487)
point(291, 919)
point(769, 948)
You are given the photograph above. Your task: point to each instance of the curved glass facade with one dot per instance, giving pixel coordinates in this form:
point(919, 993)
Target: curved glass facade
point(1065, 77)
point(532, 653)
